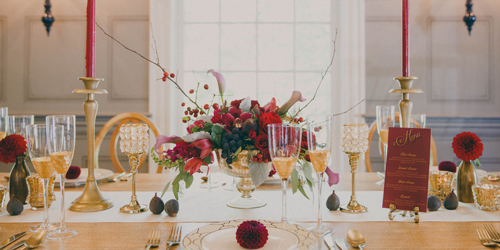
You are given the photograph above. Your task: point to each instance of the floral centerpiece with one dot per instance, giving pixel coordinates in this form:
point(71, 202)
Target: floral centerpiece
point(468, 148)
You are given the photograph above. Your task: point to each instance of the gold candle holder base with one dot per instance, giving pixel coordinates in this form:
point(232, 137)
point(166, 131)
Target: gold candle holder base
point(353, 206)
point(134, 207)
point(91, 200)
point(405, 104)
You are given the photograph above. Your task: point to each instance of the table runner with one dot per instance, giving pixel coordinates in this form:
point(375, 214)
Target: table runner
point(204, 206)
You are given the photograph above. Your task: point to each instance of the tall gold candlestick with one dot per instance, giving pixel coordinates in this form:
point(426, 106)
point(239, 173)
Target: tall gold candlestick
point(405, 105)
point(91, 199)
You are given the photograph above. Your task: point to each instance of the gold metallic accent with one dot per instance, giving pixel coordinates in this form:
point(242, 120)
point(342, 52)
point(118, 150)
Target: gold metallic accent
point(3, 194)
point(440, 183)
point(413, 213)
point(353, 206)
point(405, 105)
point(35, 194)
point(91, 199)
point(134, 207)
point(487, 197)
point(466, 178)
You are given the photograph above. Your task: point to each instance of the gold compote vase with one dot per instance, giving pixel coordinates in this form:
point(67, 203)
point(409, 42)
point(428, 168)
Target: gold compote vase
point(239, 168)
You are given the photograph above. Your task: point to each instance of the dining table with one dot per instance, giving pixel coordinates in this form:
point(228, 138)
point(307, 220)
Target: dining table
point(109, 229)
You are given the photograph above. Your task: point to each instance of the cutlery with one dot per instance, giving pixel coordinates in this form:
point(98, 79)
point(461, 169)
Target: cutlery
point(175, 237)
point(125, 177)
point(33, 241)
point(484, 239)
point(114, 179)
point(329, 241)
point(494, 235)
point(341, 243)
point(154, 239)
point(355, 239)
point(11, 239)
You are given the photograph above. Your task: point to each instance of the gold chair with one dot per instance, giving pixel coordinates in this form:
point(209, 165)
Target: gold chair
point(373, 130)
point(120, 120)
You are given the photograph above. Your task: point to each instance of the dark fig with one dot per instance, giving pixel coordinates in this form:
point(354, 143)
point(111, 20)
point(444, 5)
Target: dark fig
point(15, 207)
point(250, 124)
point(433, 203)
point(333, 202)
point(172, 207)
point(451, 201)
point(156, 205)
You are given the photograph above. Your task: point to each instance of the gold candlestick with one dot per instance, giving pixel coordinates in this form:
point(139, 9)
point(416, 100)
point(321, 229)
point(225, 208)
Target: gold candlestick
point(405, 105)
point(134, 206)
point(91, 199)
point(354, 142)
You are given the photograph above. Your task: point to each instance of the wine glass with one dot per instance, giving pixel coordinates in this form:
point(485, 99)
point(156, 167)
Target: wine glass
point(40, 157)
point(61, 148)
point(386, 117)
point(4, 122)
point(319, 143)
point(18, 123)
point(284, 149)
point(418, 121)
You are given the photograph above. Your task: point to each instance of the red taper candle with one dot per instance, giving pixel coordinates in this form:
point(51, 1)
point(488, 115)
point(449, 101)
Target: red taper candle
point(90, 49)
point(406, 55)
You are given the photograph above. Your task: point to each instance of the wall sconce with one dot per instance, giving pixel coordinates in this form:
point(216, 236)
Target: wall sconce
point(47, 18)
point(469, 17)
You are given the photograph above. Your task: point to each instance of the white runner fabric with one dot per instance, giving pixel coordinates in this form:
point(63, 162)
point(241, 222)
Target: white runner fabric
point(204, 206)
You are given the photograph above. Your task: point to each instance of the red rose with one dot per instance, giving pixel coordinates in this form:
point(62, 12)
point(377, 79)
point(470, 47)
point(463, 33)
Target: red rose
point(11, 147)
point(252, 134)
point(262, 143)
point(467, 146)
point(267, 118)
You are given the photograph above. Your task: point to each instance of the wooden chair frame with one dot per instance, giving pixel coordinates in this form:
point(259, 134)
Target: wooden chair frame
point(120, 120)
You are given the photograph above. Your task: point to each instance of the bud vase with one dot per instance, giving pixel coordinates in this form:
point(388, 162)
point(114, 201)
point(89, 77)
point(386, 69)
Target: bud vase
point(18, 187)
point(466, 178)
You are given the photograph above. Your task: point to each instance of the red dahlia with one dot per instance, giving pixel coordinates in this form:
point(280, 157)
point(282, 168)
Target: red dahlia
point(467, 146)
point(251, 234)
point(11, 147)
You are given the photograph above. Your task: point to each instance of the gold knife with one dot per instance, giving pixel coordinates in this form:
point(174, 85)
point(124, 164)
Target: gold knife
point(11, 239)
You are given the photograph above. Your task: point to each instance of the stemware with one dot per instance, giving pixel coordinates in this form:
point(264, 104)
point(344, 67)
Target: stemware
point(284, 148)
point(418, 121)
point(18, 123)
point(40, 157)
point(4, 122)
point(319, 143)
point(386, 117)
point(61, 140)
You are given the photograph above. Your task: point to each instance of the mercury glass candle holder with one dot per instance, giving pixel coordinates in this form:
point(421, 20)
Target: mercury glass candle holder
point(3, 193)
point(354, 142)
point(486, 196)
point(440, 183)
point(134, 141)
point(35, 195)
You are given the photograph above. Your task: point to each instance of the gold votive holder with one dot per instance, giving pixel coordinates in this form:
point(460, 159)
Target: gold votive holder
point(3, 193)
point(35, 195)
point(486, 196)
point(440, 183)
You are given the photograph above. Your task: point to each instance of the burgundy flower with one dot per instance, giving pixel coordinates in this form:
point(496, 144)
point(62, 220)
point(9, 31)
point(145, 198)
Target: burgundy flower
point(235, 112)
point(467, 146)
point(252, 135)
point(262, 143)
point(217, 118)
point(11, 147)
point(227, 119)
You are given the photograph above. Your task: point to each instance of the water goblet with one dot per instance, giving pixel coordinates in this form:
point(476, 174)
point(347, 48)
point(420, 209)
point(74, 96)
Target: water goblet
point(284, 149)
point(134, 141)
point(319, 143)
point(40, 157)
point(61, 148)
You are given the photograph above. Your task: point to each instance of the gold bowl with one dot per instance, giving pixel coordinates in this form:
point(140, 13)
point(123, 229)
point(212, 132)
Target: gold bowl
point(35, 195)
point(486, 196)
point(440, 183)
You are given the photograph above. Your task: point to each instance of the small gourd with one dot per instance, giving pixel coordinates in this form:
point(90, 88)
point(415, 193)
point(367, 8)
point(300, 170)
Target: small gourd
point(156, 205)
point(172, 207)
point(333, 202)
point(15, 207)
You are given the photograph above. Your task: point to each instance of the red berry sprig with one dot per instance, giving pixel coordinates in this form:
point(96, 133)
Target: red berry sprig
point(206, 86)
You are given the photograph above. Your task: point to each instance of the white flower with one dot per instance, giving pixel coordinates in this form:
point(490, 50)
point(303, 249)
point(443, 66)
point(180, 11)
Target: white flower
point(245, 104)
point(206, 118)
point(196, 136)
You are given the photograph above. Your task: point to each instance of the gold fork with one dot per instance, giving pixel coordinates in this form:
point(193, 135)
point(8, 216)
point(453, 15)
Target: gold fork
point(154, 239)
point(494, 235)
point(485, 239)
point(175, 237)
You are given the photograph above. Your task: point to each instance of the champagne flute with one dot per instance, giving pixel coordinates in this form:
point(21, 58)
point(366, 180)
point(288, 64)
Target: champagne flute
point(18, 123)
point(418, 121)
point(61, 148)
point(319, 143)
point(4, 125)
point(386, 117)
point(40, 157)
point(284, 149)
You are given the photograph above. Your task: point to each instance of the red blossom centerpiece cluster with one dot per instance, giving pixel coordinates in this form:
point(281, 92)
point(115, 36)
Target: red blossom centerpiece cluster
point(11, 147)
point(467, 146)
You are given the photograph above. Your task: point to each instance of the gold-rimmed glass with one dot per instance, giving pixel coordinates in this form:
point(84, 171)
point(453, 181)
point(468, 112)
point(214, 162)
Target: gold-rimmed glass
point(319, 143)
point(284, 149)
point(61, 148)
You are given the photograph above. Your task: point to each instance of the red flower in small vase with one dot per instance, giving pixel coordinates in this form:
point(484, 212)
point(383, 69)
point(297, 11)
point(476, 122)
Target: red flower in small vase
point(11, 147)
point(467, 146)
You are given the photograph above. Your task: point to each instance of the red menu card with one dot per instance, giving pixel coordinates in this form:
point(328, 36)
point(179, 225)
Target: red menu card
point(407, 168)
